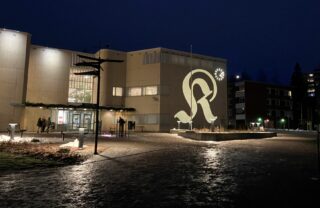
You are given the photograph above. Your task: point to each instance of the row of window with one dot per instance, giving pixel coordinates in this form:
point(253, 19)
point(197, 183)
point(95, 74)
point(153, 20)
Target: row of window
point(279, 92)
point(279, 113)
point(145, 119)
point(135, 91)
point(156, 57)
point(277, 102)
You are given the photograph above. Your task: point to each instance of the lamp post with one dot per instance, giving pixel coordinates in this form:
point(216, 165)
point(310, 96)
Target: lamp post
point(190, 124)
point(212, 125)
point(283, 122)
point(96, 64)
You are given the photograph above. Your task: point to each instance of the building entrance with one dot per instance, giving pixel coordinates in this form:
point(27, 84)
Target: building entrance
point(77, 119)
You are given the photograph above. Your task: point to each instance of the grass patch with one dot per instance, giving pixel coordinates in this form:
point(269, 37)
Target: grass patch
point(9, 161)
point(15, 156)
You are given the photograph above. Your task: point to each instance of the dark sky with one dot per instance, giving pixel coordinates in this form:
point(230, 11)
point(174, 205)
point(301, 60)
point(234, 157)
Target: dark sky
point(254, 36)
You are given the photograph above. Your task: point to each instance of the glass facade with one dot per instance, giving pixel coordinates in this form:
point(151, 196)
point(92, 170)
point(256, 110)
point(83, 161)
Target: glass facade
point(80, 87)
point(72, 120)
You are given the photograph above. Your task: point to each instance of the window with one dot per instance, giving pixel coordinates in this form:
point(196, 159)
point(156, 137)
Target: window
point(269, 102)
point(117, 91)
point(134, 91)
point(80, 87)
point(141, 119)
point(239, 110)
point(150, 90)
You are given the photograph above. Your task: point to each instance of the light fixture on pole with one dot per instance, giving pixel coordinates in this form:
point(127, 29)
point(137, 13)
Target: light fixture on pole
point(96, 64)
point(212, 125)
point(179, 124)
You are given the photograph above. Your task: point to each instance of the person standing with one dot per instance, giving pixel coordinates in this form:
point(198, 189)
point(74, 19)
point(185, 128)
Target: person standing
point(39, 125)
point(43, 122)
point(121, 126)
point(48, 124)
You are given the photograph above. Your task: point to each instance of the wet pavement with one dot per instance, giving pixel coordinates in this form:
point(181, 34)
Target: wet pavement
point(163, 170)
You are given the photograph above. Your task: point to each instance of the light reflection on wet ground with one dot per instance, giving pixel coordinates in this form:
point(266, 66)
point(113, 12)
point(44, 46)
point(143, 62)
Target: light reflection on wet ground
point(157, 172)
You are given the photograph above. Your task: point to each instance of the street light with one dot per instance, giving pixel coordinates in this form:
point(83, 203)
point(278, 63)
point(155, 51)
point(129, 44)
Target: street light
point(96, 64)
point(259, 120)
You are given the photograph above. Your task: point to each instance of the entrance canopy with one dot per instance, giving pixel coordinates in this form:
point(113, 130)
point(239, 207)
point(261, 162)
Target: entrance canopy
point(79, 106)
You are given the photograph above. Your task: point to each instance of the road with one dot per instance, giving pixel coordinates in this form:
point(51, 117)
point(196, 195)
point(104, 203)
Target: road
point(163, 170)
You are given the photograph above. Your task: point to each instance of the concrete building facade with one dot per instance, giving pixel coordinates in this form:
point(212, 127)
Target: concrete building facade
point(164, 87)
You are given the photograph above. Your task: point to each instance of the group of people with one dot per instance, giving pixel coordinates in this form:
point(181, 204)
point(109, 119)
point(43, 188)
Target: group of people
point(122, 122)
point(43, 124)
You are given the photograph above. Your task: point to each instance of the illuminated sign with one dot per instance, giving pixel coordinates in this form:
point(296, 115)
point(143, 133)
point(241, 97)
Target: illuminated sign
point(209, 93)
point(219, 74)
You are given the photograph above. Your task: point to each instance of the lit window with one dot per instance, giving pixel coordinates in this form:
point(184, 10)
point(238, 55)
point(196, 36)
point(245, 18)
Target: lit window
point(135, 91)
point(117, 91)
point(310, 80)
point(80, 87)
point(150, 90)
point(310, 75)
point(289, 93)
point(62, 117)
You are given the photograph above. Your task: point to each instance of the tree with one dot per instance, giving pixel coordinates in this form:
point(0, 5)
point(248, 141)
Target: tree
point(299, 95)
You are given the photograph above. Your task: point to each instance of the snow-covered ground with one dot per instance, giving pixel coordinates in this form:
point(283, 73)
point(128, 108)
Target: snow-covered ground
point(6, 138)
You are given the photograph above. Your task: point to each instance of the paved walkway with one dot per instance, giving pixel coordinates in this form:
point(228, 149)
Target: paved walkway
point(162, 170)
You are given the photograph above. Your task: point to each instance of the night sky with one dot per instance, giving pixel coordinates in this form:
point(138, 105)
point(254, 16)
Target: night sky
point(259, 37)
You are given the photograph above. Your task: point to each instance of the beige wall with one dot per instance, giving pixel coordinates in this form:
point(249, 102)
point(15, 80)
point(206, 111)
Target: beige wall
point(31, 116)
point(48, 81)
point(14, 47)
point(169, 77)
point(113, 75)
point(48, 78)
point(140, 75)
point(173, 99)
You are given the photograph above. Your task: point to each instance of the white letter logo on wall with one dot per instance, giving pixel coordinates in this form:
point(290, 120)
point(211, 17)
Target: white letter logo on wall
point(204, 101)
